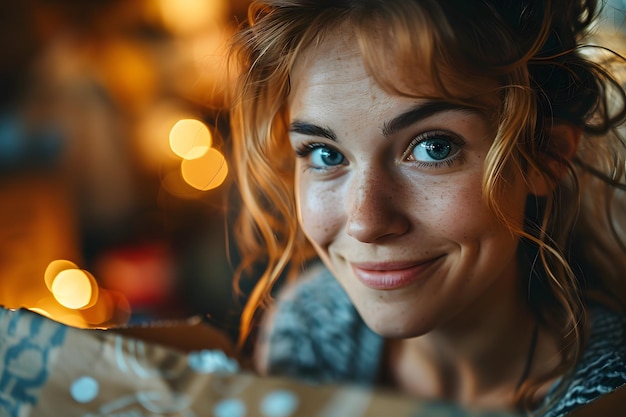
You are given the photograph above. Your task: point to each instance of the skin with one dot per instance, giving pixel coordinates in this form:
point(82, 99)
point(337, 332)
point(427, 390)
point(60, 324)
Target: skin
point(409, 237)
point(378, 205)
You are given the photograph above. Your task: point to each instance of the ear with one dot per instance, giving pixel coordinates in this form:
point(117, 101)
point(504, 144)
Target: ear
point(563, 144)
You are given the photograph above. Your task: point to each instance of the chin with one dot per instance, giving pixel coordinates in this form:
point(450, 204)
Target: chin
point(390, 327)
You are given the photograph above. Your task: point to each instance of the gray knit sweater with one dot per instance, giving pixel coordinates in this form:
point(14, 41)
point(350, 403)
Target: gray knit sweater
point(318, 336)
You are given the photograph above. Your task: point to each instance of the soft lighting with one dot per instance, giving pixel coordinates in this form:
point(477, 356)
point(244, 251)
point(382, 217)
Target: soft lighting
point(129, 74)
point(188, 16)
point(190, 139)
point(75, 289)
point(153, 146)
point(54, 268)
point(145, 274)
point(50, 307)
point(174, 184)
point(41, 312)
point(102, 311)
point(207, 172)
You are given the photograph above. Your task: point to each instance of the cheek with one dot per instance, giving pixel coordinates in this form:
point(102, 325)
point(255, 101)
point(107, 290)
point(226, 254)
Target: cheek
point(457, 211)
point(320, 211)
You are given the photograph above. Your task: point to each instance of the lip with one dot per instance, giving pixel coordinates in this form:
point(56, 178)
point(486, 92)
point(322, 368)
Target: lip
point(391, 275)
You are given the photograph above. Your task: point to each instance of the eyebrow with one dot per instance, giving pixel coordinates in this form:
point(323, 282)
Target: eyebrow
point(415, 114)
point(309, 129)
point(420, 112)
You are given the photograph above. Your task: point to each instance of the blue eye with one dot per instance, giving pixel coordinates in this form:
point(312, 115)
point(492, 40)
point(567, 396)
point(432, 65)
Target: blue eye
point(326, 157)
point(321, 156)
point(434, 147)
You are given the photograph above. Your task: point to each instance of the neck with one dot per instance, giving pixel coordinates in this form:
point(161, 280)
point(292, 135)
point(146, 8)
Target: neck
point(477, 358)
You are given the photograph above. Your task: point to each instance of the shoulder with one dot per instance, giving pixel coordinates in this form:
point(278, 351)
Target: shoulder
point(315, 333)
point(602, 367)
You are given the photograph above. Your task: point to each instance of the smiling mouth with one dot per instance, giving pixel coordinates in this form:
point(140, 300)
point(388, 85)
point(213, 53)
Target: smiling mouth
point(391, 276)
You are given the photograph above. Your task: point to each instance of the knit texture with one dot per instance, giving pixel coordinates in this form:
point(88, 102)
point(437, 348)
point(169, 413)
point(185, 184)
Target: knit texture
point(601, 369)
point(318, 336)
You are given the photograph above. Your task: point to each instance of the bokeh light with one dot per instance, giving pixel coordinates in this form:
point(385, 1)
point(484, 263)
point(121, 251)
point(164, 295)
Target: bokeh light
point(190, 138)
point(54, 268)
point(153, 148)
point(135, 83)
point(50, 308)
point(102, 311)
point(207, 172)
point(75, 289)
point(76, 299)
point(174, 184)
point(189, 16)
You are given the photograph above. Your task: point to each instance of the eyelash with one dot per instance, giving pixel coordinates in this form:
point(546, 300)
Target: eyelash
point(305, 149)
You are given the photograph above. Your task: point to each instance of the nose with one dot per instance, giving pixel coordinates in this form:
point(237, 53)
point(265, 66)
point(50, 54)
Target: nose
point(374, 209)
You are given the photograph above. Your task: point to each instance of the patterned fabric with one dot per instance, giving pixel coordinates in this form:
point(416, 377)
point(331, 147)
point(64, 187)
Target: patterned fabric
point(27, 346)
point(305, 346)
point(602, 368)
point(318, 336)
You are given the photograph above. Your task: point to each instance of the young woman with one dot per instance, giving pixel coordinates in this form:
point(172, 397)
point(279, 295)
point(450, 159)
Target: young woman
point(456, 168)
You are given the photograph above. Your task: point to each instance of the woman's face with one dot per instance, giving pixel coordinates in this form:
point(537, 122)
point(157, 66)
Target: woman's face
point(389, 193)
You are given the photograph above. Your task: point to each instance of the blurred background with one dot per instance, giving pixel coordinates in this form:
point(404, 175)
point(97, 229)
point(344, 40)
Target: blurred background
point(113, 181)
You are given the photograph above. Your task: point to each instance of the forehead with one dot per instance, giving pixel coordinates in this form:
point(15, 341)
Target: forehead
point(325, 71)
point(337, 59)
point(334, 46)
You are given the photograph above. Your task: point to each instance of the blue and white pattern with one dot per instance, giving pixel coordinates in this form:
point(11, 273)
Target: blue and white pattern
point(602, 367)
point(28, 344)
point(34, 357)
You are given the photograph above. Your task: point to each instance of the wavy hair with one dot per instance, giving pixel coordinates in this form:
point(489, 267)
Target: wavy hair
point(532, 51)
